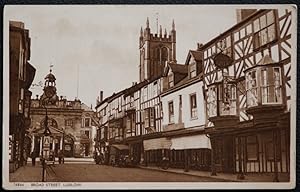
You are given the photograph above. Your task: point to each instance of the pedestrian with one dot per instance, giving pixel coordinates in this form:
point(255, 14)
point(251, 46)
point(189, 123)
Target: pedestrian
point(25, 157)
point(33, 156)
point(60, 156)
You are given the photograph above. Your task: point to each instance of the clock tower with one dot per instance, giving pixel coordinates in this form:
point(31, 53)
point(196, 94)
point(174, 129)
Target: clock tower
point(49, 96)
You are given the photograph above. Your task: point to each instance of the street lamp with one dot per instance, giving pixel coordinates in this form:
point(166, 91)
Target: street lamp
point(63, 145)
point(47, 132)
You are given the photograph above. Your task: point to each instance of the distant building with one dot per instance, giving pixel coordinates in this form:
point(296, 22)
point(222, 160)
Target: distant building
point(70, 122)
point(21, 75)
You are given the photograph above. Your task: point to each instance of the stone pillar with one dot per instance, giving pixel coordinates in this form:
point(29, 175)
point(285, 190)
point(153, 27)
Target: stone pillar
point(41, 145)
point(33, 143)
point(241, 172)
point(61, 143)
point(53, 143)
point(186, 160)
point(275, 156)
point(213, 166)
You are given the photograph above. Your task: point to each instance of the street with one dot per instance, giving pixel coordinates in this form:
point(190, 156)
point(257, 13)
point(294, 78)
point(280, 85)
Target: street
point(80, 171)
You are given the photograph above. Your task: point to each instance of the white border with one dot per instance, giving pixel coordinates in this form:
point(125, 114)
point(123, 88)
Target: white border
point(150, 185)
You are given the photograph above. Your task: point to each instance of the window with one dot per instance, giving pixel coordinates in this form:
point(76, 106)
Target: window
point(87, 122)
point(21, 100)
point(164, 55)
point(264, 87)
point(171, 112)
point(155, 87)
point(252, 148)
point(145, 94)
point(277, 85)
point(151, 116)
point(193, 70)
point(21, 64)
point(171, 80)
point(87, 133)
point(212, 101)
point(193, 102)
point(264, 29)
point(146, 116)
point(251, 88)
point(69, 122)
point(104, 111)
point(224, 46)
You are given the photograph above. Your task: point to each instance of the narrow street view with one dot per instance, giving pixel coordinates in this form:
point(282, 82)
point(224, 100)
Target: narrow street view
point(150, 94)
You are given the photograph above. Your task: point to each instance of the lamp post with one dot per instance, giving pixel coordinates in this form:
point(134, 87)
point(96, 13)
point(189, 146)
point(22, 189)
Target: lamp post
point(63, 145)
point(46, 133)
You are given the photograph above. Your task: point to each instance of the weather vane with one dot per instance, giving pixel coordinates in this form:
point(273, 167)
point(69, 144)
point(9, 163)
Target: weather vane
point(51, 65)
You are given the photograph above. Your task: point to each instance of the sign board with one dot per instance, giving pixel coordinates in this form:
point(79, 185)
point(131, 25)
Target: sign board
point(46, 142)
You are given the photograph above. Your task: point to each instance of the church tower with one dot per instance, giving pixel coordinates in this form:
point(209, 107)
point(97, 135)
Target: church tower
point(155, 50)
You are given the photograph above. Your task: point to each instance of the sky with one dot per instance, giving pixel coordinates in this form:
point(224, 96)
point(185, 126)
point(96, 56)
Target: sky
point(96, 47)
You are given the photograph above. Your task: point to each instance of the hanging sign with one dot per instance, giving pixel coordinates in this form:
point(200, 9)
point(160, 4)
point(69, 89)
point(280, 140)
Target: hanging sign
point(222, 61)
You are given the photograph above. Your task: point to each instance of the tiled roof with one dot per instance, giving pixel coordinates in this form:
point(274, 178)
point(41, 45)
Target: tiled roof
point(196, 54)
point(179, 68)
point(266, 60)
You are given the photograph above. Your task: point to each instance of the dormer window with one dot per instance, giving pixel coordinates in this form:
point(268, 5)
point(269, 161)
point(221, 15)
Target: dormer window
point(171, 80)
point(192, 67)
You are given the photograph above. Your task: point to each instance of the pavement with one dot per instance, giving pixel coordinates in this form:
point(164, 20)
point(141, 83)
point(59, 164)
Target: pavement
point(249, 177)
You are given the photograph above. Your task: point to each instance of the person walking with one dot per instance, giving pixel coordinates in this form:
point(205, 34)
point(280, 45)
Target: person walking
point(33, 156)
point(60, 156)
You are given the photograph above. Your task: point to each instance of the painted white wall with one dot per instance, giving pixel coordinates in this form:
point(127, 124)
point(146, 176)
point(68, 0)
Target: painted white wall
point(186, 111)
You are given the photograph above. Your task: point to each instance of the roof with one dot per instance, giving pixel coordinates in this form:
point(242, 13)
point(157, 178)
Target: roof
point(85, 107)
point(266, 60)
point(183, 82)
point(178, 68)
point(50, 77)
point(196, 54)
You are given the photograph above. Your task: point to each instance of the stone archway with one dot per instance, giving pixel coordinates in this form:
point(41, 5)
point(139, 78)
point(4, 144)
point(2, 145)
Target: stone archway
point(69, 145)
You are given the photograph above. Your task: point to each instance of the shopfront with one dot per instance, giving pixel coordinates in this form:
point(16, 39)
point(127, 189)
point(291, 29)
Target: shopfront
point(156, 149)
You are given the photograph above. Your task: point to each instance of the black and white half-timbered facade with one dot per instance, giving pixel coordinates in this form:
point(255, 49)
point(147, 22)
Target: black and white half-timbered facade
point(247, 95)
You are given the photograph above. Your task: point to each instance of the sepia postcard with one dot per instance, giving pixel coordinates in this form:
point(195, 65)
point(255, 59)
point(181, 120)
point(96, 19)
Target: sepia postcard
point(149, 97)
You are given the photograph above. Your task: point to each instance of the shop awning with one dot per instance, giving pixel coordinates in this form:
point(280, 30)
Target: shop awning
point(120, 146)
point(159, 143)
point(191, 142)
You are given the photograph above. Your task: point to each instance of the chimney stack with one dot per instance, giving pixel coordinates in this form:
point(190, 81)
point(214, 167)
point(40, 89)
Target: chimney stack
point(101, 96)
point(199, 45)
point(242, 14)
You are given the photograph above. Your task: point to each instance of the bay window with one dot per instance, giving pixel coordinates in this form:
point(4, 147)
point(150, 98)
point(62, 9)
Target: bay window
point(268, 89)
point(221, 98)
